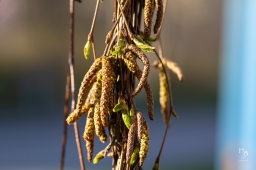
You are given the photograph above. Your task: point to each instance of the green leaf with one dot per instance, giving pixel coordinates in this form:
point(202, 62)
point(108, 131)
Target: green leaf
point(87, 49)
point(142, 45)
point(132, 113)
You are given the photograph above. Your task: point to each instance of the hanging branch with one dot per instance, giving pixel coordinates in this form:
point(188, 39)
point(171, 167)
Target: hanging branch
point(72, 82)
point(66, 109)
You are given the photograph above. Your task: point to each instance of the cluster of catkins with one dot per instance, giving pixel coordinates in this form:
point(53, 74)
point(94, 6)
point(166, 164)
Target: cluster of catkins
point(108, 89)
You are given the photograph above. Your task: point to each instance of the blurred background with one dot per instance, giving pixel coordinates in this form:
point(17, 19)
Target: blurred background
point(33, 66)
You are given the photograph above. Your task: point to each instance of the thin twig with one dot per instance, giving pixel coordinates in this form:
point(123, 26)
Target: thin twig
point(72, 77)
point(90, 35)
point(66, 109)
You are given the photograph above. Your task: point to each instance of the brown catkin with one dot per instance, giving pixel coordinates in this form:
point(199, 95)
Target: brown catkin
point(144, 144)
point(140, 122)
point(89, 134)
point(146, 68)
point(74, 116)
point(130, 142)
point(149, 94)
point(108, 82)
point(159, 15)
point(96, 66)
point(148, 15)
point(99, 129)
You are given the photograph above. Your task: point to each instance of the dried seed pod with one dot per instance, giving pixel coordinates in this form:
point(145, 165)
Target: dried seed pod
point(140, 123)
point(74, 116)
point(149, 94)
point(130, 61)
point(99, 129)
point(130, 142)
point(89, 134)
point(148, 15)
point(159, 15)
point(174, 68)
point(146, 68)
point(144, 144)
point(96, 66)
point(108, 82)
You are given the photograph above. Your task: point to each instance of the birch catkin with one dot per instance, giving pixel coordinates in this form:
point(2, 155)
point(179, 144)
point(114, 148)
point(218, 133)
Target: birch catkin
point(146, 68)
point(144, 145)
point(130, 142)
point(96, 66)
point(159, 15)
point(108, 82)
point(148, 15)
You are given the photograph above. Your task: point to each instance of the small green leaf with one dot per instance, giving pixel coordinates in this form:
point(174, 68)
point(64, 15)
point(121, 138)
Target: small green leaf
point(121, 105)
point(142, 45)
point(134, 156)
point(155, 167)
point(98, 157)
point(87, 49)
point(132, 113)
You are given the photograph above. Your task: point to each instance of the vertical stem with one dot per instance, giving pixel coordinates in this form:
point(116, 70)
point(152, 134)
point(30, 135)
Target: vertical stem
point(72, 77)
point(66, 109)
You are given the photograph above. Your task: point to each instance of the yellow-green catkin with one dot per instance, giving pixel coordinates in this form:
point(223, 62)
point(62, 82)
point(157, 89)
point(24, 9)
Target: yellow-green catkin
point(163, 94)
point(140, 123)
point(144, 144)
point(74, 116)
point(108, 82)
point(130, 142)
point(149, 94)
point(130, 61)
point(99, 129)
point(89, 134)
point(96, 66)
point(159, 15)
point(148, 15)
point(146, 68)
point(135, 155)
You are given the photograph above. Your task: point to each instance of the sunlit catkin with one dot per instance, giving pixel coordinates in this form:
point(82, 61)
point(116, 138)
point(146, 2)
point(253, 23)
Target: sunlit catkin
point(144, 144)
point(130, 142)
point(108, 82)
point(99, 129)
point(74, 116)
point(140, 122)
point(146, 68)
point(96, 66)
point(149, 94)
point(148, 15)
point(89, 134)
point(159, 15)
